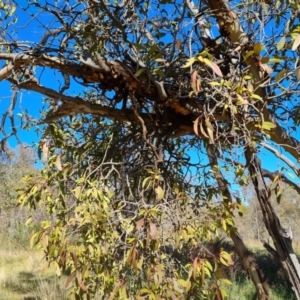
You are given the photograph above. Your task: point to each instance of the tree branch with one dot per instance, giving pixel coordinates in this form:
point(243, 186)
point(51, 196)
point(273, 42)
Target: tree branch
point(228, 21)
point(282, 157)
point(77, 105)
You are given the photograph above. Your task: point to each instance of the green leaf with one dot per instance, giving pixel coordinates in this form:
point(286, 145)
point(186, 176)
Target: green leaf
point(248, 54)
point(296, 43)
point(139, 46)
point(139, 72)
point(224, 262)
point(182, 282)
point(189, 63)
point(144, 292)
point(256, 97)
point(222, 291)
point(257, 48)
point(268, 125)
point(146, 181)
point(265, 8)
point(152, 50)
point(280, 75)
point(77, 191)
point(265, 60)
point(226, 281)
point(207, 62)
point(214, 83)
point(160, 73)
point(28, 221)
point(275, 60)
point(159, 193)
point(281, 43)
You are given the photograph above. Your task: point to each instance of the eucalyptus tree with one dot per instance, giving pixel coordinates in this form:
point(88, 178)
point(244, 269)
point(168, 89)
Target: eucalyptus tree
point(148, 106)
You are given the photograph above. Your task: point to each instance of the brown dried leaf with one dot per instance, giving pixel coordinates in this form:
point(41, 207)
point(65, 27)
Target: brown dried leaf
point(198, 85)
point(218, 294)
point(194, 81)
point(69, 279)
point(173, 295)
point(148, 273)
point(45, 268)
point(58, 162)
point(82, 286)
point(178, 45)
point(297, 72)
point(195, 265)
point(216, 69)
point(74, 257)
point(266, 68)
point(153, 230)
point(139, 224)
point(202, 130)
point(202, 272)
point(133, 262)
point(45, 150)
point(196, 125)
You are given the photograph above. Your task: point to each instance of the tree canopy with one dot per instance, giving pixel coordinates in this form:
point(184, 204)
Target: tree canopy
point(155, 112)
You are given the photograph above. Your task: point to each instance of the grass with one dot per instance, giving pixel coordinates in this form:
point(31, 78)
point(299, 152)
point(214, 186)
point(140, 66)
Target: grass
point(22, 278)
point(243, 288)
point(21, 275)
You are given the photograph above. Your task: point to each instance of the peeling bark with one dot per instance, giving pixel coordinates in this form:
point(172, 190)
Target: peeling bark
point(115, 78)
point(282, 238)
point(230, 27)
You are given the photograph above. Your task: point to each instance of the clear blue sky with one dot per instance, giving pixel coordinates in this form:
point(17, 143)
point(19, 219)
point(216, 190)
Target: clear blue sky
point(32, 102)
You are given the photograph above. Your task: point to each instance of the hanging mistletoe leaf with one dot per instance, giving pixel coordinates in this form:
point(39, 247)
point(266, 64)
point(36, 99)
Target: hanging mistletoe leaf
point(296, 43)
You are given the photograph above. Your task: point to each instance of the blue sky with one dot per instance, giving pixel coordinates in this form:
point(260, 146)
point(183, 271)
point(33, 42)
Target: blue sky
point(33, 102)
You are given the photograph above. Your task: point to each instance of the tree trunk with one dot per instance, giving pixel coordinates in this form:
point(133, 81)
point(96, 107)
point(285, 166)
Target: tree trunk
point(282, 238)
point(228, 22)
point(245, 255)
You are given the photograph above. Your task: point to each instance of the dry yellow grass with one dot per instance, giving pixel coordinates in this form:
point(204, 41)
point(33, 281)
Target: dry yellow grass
point(22, 278)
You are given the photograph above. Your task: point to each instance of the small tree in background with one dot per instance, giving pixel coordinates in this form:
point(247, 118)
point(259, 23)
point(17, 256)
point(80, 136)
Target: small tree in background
point(13, 166)
point(250, 224)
